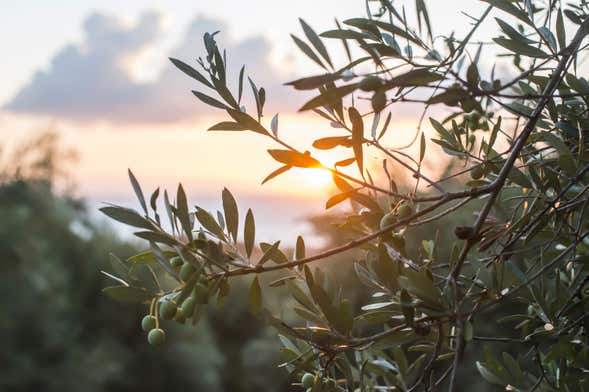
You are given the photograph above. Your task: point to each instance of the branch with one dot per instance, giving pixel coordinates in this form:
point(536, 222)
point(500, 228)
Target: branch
point(521, 140)
point(354, 243)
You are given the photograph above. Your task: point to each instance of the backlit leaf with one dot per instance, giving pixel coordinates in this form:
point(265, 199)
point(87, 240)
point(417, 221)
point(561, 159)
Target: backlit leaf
point(208, 222)
point(313, 82)
point(507, 6)
point(276, 173)
point(249, 232)
point(512, 32)
point(146, 257)
point(274, 125)
point(127, 216)
point(357, 137)
point(294, 158)
point(306, 49)
point(520, 48)
point(422, 147)
point(231, 213)
point(138, 191)
point(560, 30)
point(329, 97)
point(327, 143)
point(209, 100)
point(188, 70)
point(316, 41)
point(240, 83)
point(344, 34)
point(247, 121)
point(227, 126)
point(269, 253)
point(415, 77)
point(255, 296)
point(182, 211)
point(300, 248)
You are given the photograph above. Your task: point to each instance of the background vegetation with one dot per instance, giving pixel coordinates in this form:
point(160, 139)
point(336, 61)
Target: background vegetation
point(61, 333)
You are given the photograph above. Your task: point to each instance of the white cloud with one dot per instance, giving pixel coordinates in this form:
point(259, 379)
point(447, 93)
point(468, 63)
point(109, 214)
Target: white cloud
point(91, 82)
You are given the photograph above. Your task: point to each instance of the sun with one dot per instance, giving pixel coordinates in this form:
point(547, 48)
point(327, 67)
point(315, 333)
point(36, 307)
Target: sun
point(317, 178)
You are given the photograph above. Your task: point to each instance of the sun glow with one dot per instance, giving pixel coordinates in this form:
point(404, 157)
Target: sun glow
point(317, 179)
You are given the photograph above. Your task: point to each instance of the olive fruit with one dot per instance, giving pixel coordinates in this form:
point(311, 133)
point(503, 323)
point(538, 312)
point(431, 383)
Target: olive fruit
point(307, 380)
point(387, 220)
point(464, 232)
point(180, 316)
point(186, 271)
point(187, 307)
point(370, 83)
point(378, 100)
point(404, 211)
point(156, 337)
point(477, 172)
point(168, 309)
point(176, 262)
point(148, 323)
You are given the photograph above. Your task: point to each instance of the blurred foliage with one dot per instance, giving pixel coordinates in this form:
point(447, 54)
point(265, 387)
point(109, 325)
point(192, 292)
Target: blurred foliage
point(61, 333)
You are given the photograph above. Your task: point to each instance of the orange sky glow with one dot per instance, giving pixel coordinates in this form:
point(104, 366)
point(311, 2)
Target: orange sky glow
point(120, 104)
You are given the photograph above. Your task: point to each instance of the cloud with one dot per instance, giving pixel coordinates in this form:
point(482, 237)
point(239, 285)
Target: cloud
point(90, 81)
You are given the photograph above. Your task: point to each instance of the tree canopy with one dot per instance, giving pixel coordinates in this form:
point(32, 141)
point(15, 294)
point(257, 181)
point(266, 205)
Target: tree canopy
point(511, 279)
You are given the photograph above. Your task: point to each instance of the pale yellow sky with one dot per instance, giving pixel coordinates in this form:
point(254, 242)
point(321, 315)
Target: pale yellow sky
point(203, 161)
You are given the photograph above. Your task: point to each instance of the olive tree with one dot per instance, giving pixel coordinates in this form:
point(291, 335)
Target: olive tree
point(519, 142)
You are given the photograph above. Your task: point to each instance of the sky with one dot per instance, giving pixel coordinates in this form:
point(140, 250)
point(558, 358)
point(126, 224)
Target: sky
point(98, 73)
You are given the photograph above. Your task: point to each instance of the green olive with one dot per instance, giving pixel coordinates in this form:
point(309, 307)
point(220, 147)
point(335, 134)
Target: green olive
point(477, 172)
point(186, 271)
point(464, 232)
point(180, 317)
point(187, 307)
point(379, 100)
point(307, 380)
point(387, 220)
point(168, 309)
point(370, 83)
point(176, 262)
point(404, 211)
point(148, 323)
point(156, 337)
